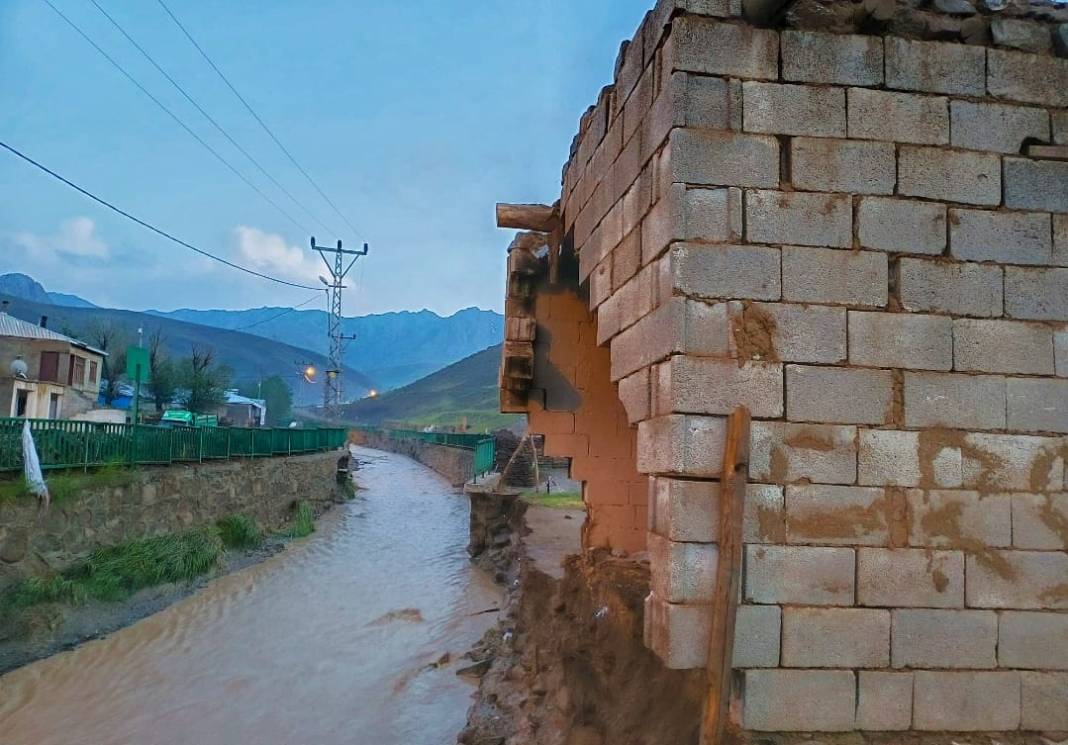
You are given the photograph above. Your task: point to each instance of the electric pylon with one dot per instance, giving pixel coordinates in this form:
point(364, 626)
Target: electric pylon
point(338, 270)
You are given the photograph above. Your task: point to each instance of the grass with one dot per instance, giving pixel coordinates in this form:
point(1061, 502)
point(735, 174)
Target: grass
point(303, 522)
point(563, 500)
point(240, 532)
point(62, 485)
point(12, 489)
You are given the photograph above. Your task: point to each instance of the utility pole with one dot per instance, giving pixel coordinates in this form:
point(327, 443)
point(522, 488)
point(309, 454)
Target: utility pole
point(338, 270)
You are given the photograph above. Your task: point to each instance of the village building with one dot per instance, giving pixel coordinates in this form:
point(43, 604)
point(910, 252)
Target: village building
point(45, 374)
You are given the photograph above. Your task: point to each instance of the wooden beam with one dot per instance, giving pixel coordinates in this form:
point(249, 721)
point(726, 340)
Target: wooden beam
point(538, 217)
point(728, 570)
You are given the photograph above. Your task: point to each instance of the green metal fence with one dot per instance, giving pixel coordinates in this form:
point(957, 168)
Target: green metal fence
point(65, 443)
point(484, 446)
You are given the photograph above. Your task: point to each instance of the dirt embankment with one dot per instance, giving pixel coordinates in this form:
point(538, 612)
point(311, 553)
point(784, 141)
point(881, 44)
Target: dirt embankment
point(568, 665)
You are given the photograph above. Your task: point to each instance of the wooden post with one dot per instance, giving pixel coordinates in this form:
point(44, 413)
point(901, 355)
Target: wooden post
point(725, 601)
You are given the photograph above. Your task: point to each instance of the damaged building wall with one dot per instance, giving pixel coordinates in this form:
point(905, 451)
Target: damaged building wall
point(864, 240)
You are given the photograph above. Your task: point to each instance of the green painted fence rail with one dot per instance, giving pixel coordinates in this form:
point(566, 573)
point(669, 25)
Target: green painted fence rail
point(484, 446)
point(65, 443)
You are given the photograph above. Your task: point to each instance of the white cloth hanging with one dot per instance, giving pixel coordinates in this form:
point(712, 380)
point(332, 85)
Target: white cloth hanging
point(31, 467)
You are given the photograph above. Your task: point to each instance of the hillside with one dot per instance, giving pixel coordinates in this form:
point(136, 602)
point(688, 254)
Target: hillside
point(250, 357)
point(26, 287)
point(467, 388)
point(393, 349)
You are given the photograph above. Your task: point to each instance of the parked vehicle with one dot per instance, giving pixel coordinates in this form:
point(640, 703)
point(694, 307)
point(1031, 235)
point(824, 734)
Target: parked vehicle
point(183, 418)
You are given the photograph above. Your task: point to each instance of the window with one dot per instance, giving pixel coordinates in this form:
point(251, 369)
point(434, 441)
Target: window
point(94, 380)
point(77, 370)
point(49, 367)
point(22, 400)
point(53, 406)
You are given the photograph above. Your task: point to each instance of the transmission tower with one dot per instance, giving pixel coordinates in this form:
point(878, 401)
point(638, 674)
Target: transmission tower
point(338, 270)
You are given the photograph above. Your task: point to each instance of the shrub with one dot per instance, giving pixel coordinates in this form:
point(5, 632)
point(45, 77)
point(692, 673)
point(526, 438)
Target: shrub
point(239, 531)
point(304, 522)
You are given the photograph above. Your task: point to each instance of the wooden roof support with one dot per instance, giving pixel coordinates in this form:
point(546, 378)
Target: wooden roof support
point(538, 217)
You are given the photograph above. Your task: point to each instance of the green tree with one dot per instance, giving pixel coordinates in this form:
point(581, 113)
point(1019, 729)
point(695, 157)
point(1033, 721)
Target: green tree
point(163, 379)
point(204, 380)
point(111, 338)
point(276, 393)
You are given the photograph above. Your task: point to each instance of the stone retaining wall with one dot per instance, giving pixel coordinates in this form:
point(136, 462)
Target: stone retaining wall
point(864, 240)
point(156, 501)
point(455, 464)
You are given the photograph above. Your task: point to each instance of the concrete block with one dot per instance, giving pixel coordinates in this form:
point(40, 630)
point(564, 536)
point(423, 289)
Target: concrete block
point(685, 510)
point(993, 462)
point(835, 637)
point(726, 271)
point(1036, 184)
point(1039, 294)
point(1040, 521)
point(1036, 405)
point(898, 117)
point(901, 225)
point(634, 395)
point(682, 445)
point(1028, 580)
point(764, 519)
point(1033, 641)
point(884, 701)
point(682, 572)
point(1030, 78)
point(1044, 701)
point(781, 452)
point(837, 515)
point(810, 57)
point(926, 638)
point(701, 385)
point(996, 127)
point(1026, 36)
point(950, 175)
point(812, 575)
point(1060, 240)
point(799, 700)
point(954, 401)
point(815, 394)
point(1006, 237)
point(935, 67)
point(677, 633)
point(854, 166)
point(825, 275)
point(712, 48)
point(807, 333)
point(799, 217)
point(704, 215)
point(959, 519)
point(704, 101)
point(702, 156)
point(961, 289)
point(912, 341)
point(1060, 350)
point(966, 701)
point(910, 578)
point(757, 629)
point(893, 458)
point(774, 108)
point(1002, 347)
point(678, 326)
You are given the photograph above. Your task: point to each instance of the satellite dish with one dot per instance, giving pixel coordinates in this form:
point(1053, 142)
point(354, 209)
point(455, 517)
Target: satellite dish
point(18, 368)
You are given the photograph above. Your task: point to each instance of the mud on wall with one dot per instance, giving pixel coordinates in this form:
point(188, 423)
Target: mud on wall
point(864, 240)
point(154, 501)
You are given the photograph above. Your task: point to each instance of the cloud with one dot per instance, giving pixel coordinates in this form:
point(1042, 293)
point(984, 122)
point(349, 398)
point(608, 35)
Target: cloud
point(269, 253)
point(76, 237)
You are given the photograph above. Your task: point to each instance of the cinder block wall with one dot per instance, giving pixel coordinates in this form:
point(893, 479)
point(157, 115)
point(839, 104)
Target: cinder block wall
point(845, 234)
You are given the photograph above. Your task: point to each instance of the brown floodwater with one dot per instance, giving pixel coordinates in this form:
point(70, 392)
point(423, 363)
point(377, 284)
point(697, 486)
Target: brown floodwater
point(332, 641)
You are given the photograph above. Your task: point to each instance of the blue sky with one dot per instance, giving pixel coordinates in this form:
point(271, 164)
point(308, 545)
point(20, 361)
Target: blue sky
point(415, 117)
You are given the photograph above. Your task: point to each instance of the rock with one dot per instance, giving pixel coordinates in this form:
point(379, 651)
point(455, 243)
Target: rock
point(955, 7)
point(1060, 40)
point(1023, 35)
point(14, 549)
point(475, 671)
point(502, 538)
point(975, 31)
point(994, 6)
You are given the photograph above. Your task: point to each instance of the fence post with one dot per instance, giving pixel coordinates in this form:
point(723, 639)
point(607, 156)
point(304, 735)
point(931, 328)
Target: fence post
point(200, 445)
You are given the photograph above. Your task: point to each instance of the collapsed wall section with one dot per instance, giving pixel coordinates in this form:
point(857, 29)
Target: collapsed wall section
point(864, 240)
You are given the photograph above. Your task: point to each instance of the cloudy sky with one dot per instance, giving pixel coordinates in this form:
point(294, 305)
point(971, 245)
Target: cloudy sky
point(414, 117)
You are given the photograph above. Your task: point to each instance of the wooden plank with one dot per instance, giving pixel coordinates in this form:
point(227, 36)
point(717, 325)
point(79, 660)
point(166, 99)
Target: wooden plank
point(728, 571)
point(539, 217)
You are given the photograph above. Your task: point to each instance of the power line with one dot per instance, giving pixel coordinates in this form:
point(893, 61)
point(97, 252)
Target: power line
point(285, 312)
point(258, 119)
point(208, 116)
point(149, 226)
point(174, 116)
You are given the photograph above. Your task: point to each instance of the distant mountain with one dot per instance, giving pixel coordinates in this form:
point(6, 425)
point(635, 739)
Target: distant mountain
point(250, 357)
point(27, 288)
point(393, 349)
point(464, 390)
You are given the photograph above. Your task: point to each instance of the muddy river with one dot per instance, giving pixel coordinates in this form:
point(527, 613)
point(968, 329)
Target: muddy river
point(332, 641)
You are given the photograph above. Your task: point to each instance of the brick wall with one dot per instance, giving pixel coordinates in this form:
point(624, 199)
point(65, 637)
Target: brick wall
point(848, 235)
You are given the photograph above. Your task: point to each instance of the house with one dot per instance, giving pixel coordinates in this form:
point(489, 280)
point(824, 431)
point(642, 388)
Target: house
point(241, 411)
point(45, 374)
